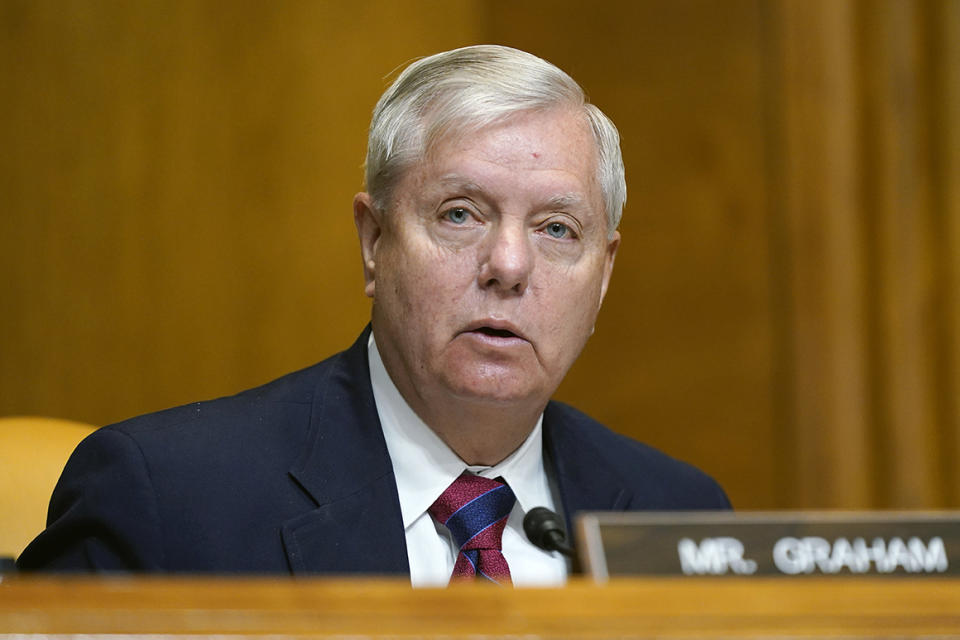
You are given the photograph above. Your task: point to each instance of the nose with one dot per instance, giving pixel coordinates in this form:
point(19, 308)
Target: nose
point(507, 260)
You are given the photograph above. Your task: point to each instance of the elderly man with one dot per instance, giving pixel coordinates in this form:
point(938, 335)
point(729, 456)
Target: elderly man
point(488, 234)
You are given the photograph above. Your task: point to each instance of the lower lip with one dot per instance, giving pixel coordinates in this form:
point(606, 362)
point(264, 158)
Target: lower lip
point(495, 341)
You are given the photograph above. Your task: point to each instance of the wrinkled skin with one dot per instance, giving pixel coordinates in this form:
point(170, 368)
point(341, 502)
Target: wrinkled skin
point(487, 272)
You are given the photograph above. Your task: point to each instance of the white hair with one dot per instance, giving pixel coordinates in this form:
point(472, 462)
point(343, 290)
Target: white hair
point(467, 89)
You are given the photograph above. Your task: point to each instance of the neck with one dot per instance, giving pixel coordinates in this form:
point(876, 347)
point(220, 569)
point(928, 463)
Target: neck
point(478, 434)
point(479, 430)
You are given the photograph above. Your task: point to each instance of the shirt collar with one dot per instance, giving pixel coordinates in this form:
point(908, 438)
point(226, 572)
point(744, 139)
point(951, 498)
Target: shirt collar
point(425, 466)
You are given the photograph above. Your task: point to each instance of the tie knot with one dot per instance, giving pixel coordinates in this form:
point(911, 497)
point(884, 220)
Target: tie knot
point(475, 511)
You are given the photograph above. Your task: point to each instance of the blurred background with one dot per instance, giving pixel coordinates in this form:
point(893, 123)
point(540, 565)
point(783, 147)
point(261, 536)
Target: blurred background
point(175, 216)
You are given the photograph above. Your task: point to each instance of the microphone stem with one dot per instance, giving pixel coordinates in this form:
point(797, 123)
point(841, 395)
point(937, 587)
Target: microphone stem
point(559, 543)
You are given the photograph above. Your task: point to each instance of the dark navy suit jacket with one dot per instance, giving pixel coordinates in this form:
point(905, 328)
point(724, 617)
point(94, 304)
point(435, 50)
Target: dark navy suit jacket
point(294, 476)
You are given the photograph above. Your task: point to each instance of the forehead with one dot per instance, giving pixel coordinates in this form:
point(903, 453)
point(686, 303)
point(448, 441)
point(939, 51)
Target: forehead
point(535, 131)
point(555, 142)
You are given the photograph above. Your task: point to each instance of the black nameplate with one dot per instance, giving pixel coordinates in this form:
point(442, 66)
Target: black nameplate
point(770, 544)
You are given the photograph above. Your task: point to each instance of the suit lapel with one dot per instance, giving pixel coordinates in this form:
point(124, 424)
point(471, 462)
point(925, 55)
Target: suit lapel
point(581, 471)
point(357, 526)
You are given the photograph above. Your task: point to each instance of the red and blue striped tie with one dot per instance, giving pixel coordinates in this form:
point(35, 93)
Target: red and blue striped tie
point(475, 510)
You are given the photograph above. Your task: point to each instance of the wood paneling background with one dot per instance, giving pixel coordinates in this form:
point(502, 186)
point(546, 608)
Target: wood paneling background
point(865, 170)
point(176, 179)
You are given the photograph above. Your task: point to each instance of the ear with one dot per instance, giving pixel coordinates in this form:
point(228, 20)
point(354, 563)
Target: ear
point(611, 255)
point(369, 228)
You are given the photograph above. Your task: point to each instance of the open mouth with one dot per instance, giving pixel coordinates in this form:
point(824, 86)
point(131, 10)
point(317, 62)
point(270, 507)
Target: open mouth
point(497, 333)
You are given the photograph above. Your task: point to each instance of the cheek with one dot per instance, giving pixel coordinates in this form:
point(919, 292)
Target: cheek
point(570, 300)
point(428, 280)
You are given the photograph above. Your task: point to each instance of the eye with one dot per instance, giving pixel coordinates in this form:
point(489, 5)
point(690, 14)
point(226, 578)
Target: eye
point(558, 230)
point(457, 215)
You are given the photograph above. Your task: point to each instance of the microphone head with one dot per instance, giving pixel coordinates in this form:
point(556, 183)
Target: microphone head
point(544, 528)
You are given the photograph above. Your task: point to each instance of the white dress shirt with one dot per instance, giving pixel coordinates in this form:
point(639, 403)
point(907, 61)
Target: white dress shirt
point(425, 466)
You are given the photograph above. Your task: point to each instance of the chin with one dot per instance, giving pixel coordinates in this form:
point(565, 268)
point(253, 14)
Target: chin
point(503, 389)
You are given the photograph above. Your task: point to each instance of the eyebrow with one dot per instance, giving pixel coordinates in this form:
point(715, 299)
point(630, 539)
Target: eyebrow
point(565, 201)
point(460, 181)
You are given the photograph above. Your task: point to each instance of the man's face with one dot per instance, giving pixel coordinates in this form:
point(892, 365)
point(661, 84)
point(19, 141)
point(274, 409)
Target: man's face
point(490, 265)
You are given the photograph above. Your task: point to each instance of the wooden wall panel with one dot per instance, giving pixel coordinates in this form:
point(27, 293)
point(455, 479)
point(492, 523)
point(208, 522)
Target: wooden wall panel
point(177, 187)
point(946, 26)
point(815, 173)
point(898, 162)
point(175, 217)
point(865, 174)
point(683, 353)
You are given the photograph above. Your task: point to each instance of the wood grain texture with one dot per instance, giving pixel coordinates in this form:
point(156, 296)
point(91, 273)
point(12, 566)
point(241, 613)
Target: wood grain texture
point(178, 179)
point(821, 227)
point(863, 178)
point(898, 164)
point(175, 219)
point(624, 609)
point(947, 26)
point(683, 353)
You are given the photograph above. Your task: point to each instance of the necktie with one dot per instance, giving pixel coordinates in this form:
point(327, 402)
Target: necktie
point(475, 510)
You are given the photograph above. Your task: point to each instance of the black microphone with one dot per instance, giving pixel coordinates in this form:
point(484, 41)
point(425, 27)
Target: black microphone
point(544, 528)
